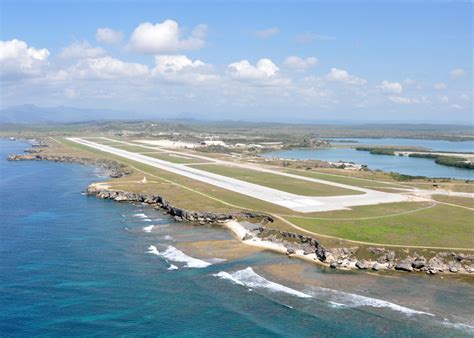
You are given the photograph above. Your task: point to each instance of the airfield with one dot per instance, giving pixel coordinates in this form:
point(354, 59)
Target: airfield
point(350, 196)
point(338, 206)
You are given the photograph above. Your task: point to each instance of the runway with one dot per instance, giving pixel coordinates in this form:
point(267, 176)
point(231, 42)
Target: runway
point(304, 204)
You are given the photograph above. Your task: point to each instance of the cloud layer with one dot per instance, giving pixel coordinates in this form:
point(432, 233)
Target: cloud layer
point(158, 63)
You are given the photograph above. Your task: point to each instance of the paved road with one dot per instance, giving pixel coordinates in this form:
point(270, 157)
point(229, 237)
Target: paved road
point(288, 200)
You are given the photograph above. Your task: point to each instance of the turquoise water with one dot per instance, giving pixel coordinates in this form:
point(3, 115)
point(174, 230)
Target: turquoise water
point(76, 265)
point(401, 164)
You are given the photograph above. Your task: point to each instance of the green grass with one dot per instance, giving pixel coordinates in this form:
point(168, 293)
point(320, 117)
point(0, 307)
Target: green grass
point(442, 226)
point(102, 141)
point(368, 211)
point(288, 184)
point(462, 201)
point(358, 182)
point(183, 197)
point(175, 158)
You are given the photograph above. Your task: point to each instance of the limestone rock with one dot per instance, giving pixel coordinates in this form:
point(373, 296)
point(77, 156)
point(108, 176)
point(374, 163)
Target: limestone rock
point(404, 265)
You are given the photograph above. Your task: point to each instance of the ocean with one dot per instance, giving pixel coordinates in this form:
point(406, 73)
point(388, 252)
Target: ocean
point(75, 265)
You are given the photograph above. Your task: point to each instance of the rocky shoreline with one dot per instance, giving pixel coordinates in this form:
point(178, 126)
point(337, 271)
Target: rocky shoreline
point(297, 244)
point(346, 258)
point(114, 169)
point(179, 214)
point(292, 244)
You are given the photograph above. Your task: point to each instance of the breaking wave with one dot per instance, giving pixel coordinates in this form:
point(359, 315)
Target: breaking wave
point(148, 228)
point(247, 277)
point(175, 255)
point(341, 299)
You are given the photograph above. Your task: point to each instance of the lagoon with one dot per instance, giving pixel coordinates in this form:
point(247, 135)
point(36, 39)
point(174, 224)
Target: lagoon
point(401, 164)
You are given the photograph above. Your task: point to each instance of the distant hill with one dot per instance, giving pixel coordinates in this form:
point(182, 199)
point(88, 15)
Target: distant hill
point(29, 113)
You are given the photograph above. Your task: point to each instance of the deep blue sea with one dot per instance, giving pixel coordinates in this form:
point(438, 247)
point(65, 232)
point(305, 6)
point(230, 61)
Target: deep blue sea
point(73, 265)
point(401, 164)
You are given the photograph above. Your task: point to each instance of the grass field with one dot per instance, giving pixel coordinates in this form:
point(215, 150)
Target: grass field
point(369, 211)
point(135, 149)
point(174, 158)
point(363, 180)
point(442, 225)
point(462, 201)
point(276, 181)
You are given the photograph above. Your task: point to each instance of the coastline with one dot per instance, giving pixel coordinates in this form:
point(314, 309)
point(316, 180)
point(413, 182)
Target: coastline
point(283, 242)
point(297, 245)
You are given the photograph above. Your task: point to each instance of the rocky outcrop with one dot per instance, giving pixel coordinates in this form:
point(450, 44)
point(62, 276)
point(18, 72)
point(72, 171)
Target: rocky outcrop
point(293, 241)
point(404, 265)
point(179, 214)
point(362, 265)
point(115, 169)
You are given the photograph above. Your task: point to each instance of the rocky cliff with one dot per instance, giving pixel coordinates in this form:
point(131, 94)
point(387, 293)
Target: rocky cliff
point(179, 214)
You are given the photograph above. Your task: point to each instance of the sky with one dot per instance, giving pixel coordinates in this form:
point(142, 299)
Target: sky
point(292, 61)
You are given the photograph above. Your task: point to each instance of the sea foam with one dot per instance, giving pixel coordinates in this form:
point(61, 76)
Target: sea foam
point(148, 228)
point(341, 299)
point(176, 255)
point(247, 277)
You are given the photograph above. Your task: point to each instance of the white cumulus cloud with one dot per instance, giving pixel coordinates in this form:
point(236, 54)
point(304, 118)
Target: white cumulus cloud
point(81, 50)
point(17, 58)
point(264, 68)
point(165, 37)
point(299, 64)
point(108, 36)
point(107, 68)
point(244, 70)
point(264, 73)
point(390, 87)
point(341, 75)
point(180, 68)
point(457, 73)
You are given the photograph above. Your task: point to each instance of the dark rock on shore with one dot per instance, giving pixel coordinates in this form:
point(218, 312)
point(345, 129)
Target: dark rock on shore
point(307, 244)
point(247, 237)
point(362, 265)
point(418, 263)
point(404, 265)
point(178, 213)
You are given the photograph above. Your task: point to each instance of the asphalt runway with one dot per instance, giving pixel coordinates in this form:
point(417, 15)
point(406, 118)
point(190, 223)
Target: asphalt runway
point(304, 204)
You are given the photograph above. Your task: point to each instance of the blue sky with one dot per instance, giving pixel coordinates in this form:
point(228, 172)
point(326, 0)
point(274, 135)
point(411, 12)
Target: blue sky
point(340, 60)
